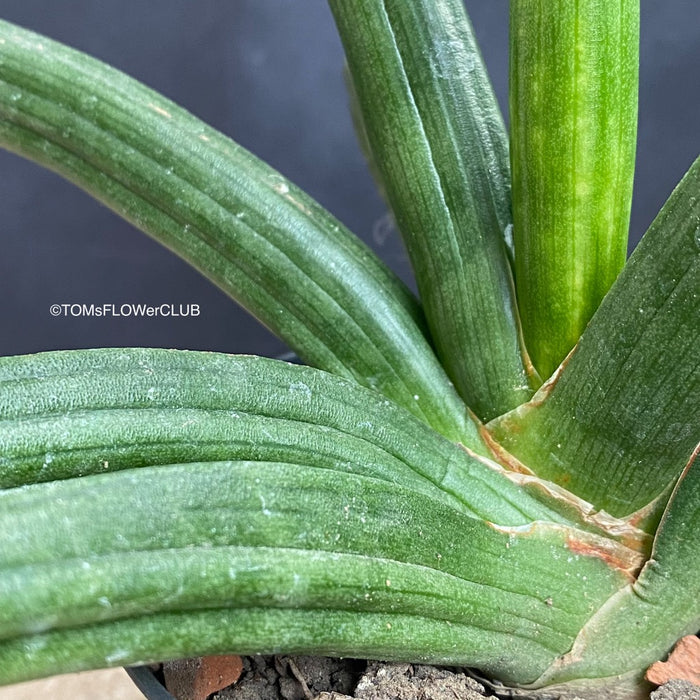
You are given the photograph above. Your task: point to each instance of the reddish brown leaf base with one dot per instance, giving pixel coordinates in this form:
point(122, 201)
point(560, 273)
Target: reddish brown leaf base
point(197, 679)
point(683, 664)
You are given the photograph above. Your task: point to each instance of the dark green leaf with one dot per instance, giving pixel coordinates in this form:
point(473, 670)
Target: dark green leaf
point(358, 122)
point(237, 220)
point(437, 139)
point(380, 570)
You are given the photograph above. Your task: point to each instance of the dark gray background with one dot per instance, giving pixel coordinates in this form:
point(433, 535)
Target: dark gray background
point(267, 73)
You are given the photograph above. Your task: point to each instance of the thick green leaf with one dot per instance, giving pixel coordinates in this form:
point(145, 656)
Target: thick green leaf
point(438, 142)
point(65, 414)
point(238, 221)
point(617, 425)
point(641, 623)
point(573, 102)
point(89, 568)
point(358, 122)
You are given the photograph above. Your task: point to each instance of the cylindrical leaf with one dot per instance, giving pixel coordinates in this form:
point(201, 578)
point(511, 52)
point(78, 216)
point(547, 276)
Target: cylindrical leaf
point(238, 221)
point(438, 143)
point(573, 102)
point(85, 564)
point(65, 414)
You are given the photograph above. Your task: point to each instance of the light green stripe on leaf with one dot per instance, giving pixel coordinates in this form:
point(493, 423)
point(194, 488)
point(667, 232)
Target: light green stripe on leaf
point(573, 101)
point(619, 422)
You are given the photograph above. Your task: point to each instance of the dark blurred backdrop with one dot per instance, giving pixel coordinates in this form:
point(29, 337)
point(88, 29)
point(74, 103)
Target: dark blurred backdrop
point(269, 74)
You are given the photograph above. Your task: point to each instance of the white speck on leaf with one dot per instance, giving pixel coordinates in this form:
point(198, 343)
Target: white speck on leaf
point(301, 388)
point(281, 188)
point(160, 110)
point(117, 655)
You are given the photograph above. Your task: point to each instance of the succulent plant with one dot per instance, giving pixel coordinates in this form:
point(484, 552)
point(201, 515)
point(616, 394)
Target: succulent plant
point(499, 475)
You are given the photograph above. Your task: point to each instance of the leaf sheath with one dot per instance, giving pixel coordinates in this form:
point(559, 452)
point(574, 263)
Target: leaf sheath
point(641, 623)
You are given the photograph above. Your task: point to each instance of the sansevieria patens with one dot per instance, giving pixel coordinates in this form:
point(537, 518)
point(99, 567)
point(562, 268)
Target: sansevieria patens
point(500, 474)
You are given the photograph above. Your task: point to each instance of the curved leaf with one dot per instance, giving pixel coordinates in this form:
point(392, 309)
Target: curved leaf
point(238, 221)
point(377, 568)
point(574, 68)
point(437, 139)
point(618, 423)
point(642, 622)
point(64, 414)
